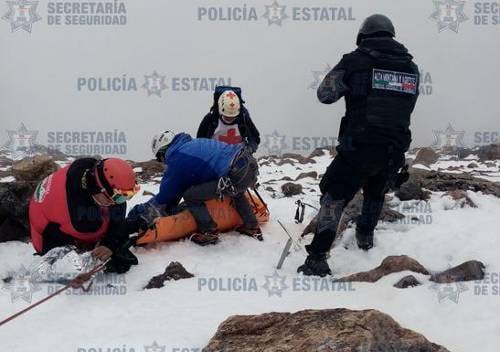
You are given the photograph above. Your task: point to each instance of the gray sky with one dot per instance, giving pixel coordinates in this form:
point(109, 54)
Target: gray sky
point(274, 64)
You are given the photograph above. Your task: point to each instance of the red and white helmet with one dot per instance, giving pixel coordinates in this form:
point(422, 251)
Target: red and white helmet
point(229, 104)
point(117, 178)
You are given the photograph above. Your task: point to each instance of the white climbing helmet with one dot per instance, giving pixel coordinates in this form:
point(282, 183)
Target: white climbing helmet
point(161, 141)
point(229, 104)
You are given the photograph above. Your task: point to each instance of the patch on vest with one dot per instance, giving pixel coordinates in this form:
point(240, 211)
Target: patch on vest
point(42, 189)
point(395, 81)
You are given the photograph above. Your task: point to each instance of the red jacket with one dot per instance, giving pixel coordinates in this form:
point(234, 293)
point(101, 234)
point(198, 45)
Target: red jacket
point(50, 205)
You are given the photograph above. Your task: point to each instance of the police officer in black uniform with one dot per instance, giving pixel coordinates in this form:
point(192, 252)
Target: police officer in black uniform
point(380, 84)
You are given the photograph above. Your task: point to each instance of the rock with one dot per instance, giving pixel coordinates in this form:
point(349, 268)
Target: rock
point(412, 190)
point(442, 182)
point(489, 152)
point(291, 189)
point(5, 162)
point(335, 330)
point(321, 151)
point(390, 265)
point(473, 166)
point(281, 162)
point(174, 271)
point(286, 178)
point(312, 174)
point(317, 152)
point(148, 193)
point(426, 156)
point(4, 174)
point(351, 214)
point(150, 170)
point(12, 230)
point(34, 168)
point(468, 271)
point(14, 201)
point(490, 164)
point(461, 199)
point(300, 158)
point(463, 153)
point(407, 281)
point(353, 210)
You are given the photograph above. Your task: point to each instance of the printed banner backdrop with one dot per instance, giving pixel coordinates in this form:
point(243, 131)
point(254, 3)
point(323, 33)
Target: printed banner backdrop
point(105, 76)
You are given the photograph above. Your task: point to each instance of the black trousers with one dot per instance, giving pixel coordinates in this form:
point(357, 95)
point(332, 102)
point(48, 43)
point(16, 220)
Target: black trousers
point(370, 169)
point(243, 175)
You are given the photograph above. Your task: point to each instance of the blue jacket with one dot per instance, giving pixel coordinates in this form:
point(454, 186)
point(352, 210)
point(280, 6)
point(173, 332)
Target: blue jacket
point(191, 162)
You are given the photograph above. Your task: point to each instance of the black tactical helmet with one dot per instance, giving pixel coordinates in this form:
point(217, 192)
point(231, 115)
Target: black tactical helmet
point(376, 24)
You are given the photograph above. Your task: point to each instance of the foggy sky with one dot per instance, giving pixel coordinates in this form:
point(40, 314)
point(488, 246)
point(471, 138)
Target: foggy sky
point(274, 64)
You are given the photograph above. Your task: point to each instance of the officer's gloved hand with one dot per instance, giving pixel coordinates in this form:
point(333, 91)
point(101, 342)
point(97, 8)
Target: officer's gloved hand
point(148, 216)
point(142, 217)
point(403, 176)
point(121, 261)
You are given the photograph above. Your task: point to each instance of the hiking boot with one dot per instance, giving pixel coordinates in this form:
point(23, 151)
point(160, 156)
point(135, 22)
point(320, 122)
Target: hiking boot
point(254, 232)
point(364, 239)
point(315, 265)
point(204, 238)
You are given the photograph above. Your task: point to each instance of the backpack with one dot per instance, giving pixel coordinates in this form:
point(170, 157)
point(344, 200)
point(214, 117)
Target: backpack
point(218, 92)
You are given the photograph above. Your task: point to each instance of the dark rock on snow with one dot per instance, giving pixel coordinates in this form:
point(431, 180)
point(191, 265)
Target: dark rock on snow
point(422, 181)
point(291, 189)
point(390, 265)
point(468, 271)
point(461, 197)
point(300, 158)
point(489, 152)
point(352, 212)
point(15, 196)
point(14, 201)
point(174, 271)
point(34, 169)
point(426, 156)
point(323, 150)
point(412, 190)
point(150, 169)
point(339, 330)
point(407, 281)
point(442, 182)
point(312, 174)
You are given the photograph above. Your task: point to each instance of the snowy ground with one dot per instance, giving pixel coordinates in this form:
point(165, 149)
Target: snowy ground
point(238, 277)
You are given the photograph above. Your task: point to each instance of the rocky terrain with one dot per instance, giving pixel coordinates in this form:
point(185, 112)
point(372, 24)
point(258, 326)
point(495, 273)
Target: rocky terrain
point(457, 181)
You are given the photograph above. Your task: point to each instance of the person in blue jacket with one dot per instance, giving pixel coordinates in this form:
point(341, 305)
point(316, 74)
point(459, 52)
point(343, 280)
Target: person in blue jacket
point(198, 170)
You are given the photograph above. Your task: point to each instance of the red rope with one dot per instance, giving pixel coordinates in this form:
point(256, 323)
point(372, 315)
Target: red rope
point(75, 283)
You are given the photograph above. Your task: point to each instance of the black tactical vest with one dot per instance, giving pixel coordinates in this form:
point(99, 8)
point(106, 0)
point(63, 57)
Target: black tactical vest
point(383, 93)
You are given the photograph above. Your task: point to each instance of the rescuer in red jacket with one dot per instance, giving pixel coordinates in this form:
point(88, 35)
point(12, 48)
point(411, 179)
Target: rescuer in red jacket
point(84, 204)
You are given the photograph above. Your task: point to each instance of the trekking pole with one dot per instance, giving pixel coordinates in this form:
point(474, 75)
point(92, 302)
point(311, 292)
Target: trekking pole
point(75, 283)
point(260, 198)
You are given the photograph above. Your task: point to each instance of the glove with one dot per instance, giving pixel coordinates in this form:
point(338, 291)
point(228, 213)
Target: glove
point(121, 261)
point(142, 217)
point(402, 177)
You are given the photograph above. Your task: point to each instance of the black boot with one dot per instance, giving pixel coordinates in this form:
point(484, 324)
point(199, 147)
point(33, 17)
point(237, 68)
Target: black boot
point(205, 238)
point(315, 265)
point(367, 221)
point(251, 231)
point(364, 238)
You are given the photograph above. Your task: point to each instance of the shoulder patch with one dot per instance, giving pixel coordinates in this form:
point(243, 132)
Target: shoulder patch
point(395, 81)
point(42, 189)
